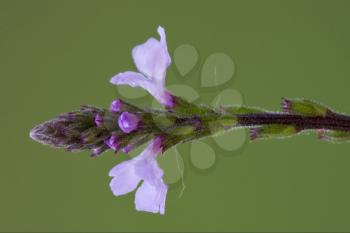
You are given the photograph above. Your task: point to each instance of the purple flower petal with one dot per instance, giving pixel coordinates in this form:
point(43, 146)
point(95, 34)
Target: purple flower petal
point(151, 195)
point(163, 42)
point(135, 79)
point(151, 198)
point(124, 179)
point(128, 122)
point(152, 60)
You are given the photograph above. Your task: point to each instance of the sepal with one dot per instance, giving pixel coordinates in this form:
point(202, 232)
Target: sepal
point(185, 107)
point(333, 135)
point(303, 107)
point(272, 131)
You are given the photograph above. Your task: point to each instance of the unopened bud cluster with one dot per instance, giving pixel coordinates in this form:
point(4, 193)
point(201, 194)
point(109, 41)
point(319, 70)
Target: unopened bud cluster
point(124, 127)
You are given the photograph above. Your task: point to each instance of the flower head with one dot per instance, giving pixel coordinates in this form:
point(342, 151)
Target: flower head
point(152, 60)
point(151, 195)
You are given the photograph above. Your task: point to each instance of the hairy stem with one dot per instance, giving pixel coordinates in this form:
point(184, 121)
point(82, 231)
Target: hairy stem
point(330, 121)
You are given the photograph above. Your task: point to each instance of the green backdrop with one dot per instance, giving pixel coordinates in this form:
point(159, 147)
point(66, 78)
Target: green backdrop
point(57, 55)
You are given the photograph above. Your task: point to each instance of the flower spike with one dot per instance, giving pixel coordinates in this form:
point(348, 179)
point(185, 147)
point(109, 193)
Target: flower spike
point(124, 127)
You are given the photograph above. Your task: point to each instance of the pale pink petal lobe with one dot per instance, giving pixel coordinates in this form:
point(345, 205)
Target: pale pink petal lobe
point(151, 198)
point(152, 59)
point(124, 179)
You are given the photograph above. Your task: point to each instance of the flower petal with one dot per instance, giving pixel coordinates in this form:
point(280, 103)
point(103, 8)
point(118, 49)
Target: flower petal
point(135, 79)
point(152, 58)
point(151, 195)
point(151, 198)
point(162, 35)
point(124, 179)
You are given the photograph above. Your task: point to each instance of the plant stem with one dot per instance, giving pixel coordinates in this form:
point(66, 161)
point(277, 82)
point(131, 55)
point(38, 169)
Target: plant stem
point(331, 121)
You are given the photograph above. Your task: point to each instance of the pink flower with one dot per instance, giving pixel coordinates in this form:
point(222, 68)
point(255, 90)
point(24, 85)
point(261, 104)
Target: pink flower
point(151, 195)
point(152, 60)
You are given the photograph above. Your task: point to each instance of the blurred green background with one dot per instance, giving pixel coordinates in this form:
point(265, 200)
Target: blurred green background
point(57, 55)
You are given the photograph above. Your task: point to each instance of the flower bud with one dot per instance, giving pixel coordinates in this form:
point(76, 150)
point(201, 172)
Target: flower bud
point(136, 142)
point(91, 135)
point(112, 142)
point(303, 107)
point(98, 150)
point(272, 131)
point(119, 105)
point(333, 135)
point(116, 106)
point(128, 122)
point(98, 119)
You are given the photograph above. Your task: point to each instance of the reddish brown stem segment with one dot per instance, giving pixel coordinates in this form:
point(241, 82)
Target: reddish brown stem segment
point(330, 121)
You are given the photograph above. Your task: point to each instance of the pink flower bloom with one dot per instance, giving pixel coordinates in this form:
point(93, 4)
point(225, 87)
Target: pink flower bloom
point(152, 60)
point(151, 195)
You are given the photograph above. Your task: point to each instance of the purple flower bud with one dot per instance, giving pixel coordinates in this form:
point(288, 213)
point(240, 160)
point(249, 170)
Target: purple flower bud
point(253, 133)
point(126, 149)
point(286, 105)
point(128, 122)
point(98, 150)
point(98, 119)
point(116, 106)
point(196, 122)
point(112, 142)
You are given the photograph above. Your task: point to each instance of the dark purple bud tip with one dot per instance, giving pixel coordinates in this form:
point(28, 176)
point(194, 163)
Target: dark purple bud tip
point(116, 106)
point(126, 149)
point(98, 119)
point(112, 142)
point(196, 122)
point(253, 133)
point(169, 100)
point(128, 122)
point(159, 143)
point(286, 105)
